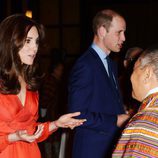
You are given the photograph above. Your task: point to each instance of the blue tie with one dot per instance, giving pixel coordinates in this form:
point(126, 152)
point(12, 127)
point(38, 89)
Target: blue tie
point(112, 79)
point(110, 71)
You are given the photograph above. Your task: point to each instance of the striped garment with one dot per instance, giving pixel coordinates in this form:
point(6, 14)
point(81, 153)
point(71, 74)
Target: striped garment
point(140, 137)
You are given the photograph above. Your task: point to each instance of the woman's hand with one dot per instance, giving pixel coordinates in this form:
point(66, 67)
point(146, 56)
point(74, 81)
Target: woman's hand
point(22, 135)
point(67, 121)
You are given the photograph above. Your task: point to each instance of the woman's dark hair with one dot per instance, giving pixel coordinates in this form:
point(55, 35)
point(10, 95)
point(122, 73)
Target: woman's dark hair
point(13, 33)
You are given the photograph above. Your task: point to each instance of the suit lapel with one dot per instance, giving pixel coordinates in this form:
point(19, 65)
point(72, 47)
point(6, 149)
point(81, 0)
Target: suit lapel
point(102, 68)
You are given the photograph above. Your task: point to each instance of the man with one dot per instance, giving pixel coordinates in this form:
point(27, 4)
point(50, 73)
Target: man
point(93, 89)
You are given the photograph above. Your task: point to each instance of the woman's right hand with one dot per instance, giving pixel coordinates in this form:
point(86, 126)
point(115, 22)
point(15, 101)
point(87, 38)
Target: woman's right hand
point(69, 120)
point(22, 135)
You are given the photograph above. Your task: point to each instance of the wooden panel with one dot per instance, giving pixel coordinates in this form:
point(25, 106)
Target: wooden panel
point(71, 11)
point(71, 40)
point(52, 37)
point(49, 12)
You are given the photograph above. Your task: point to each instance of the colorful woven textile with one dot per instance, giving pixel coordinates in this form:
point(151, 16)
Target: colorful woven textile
point(140, 137)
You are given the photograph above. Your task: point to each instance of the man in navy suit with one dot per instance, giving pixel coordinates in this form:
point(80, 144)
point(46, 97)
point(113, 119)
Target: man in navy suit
point(94, 89)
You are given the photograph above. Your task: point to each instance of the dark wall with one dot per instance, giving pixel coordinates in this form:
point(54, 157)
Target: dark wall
point(69, 22)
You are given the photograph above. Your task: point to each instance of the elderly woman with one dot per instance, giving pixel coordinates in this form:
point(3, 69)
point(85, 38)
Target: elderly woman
point(140, 137)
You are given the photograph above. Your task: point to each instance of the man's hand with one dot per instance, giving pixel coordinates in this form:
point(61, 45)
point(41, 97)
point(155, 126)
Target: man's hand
point(121, 119)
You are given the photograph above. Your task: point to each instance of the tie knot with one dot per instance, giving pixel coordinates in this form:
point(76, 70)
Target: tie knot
point(108, 59)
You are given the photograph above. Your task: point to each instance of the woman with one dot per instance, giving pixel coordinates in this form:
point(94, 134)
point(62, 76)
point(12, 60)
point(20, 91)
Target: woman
point(20, 38)
point(140, 137)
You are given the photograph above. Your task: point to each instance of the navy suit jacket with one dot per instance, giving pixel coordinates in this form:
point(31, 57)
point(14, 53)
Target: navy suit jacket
point(92, 93)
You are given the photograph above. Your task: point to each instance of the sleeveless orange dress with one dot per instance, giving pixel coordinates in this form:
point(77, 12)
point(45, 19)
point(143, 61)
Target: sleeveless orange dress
point(14, 116)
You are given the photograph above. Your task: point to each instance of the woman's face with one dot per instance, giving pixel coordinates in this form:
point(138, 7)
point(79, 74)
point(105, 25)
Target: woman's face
point(137, 79)
point(28, 52)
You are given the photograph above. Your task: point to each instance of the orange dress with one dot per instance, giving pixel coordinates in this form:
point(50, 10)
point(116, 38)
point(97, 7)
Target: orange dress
point(14, 116)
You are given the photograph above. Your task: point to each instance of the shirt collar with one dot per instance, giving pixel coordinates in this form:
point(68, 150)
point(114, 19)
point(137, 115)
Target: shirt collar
point(154, 90)
point(99, 51)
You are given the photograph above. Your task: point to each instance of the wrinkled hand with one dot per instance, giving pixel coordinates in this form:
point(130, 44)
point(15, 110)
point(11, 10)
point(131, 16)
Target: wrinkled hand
point(24, 136)
point(67, 120)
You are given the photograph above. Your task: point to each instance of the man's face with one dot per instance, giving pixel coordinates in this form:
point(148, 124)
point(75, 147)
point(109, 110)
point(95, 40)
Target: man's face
point(115, 36)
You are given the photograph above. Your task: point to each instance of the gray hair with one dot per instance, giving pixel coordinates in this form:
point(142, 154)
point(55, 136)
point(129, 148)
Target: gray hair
point(150, 58)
